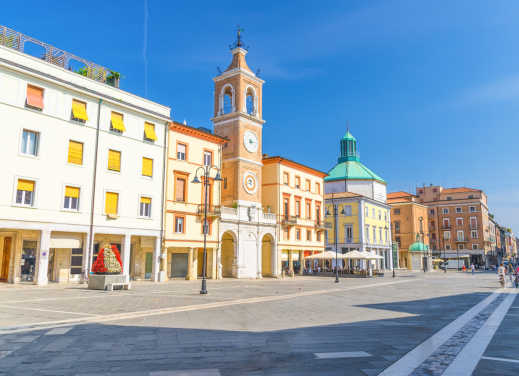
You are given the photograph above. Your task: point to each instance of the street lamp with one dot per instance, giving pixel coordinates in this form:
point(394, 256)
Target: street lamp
point(205, 173)
point(335, 214)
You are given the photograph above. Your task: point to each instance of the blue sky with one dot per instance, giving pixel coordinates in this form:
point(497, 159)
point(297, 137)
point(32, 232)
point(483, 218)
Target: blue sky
point(429, 88)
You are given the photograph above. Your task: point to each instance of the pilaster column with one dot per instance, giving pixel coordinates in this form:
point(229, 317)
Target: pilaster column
point(214, 274)
point(301, 262)
point(290, 261)
point(191, 264)
point(126, 256)
point(219, 263)
point(156, 261)
point(43, 258)
point(259, 250)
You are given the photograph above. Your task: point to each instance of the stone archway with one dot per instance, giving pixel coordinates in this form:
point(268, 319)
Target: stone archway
point(267, 256)
point(228, 254)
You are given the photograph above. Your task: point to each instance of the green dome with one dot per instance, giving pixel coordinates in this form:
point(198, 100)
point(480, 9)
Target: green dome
point(418, 247)
point(352, 170)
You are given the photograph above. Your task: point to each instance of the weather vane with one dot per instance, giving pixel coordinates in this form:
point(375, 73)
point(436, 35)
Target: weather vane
point(239, 42)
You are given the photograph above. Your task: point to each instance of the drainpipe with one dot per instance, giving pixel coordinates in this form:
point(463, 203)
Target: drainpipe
point(90, 252)
point(163, 201)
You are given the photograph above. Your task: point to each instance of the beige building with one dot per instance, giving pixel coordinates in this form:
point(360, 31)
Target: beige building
point(294, 192)
point(189, 150)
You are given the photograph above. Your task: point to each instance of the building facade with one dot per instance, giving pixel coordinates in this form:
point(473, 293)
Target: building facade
point(78, 148)
point(409, 223)
point(294, 193)
point(458, 222)
point(246, 230)
point(359, 195)
point(190, 151)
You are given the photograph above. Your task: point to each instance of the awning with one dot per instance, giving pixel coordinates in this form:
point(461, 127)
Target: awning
point(79, 110)
point(149, 131)
point(65, 241)
point(117, 122)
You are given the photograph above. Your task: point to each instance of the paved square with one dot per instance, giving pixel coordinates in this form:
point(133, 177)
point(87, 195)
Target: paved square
point(304, 326)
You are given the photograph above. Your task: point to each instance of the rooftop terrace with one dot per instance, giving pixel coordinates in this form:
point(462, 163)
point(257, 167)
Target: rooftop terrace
point(41, 50)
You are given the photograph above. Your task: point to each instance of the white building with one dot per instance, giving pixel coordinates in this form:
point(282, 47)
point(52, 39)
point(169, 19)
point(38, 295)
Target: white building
point(84, 166)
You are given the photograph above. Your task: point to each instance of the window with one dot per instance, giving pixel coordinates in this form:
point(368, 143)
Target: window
point(449, 198)
point(459, 222)
point(385, 234)
point(446, 235)
point(30, 141)
point(25, 192)
point(76, 261)
point(420, 191)
point(347, 210)
point(472, 209)
point(460, 246)
point(460, 236)
point(225, 183)
point(474, 234)
point(308, 235)
point(366, 212)
point(298, 234)
point(117, 123)
point(307, 188)
point(396, 211)
point(459, 210)
point(431, 211)
point(114, 160)
point(111, 203)
point(298, 208)
point(180, 189)
point(285, 178)
point(348, 231)
point(379, 215)
point(181, 152)
point(373, 215)
point(471, 196)
point(286, 235)
point(78, 112)
point(445, 210)
point(298, 182)
point(474, 246)
point(308, 210)
point(34, 97)
point(179, 224)
point(147, 167)
point(446, 223)
point(208, 158)
point(207, 229)
point(473, 222)
point(75, 152)
point(149, 132)
point(318, 188)
point(71, 198)
point(318, 235)
point(367, 232)
point(397, 227)
point(380, 234)
point(286, 207)
point(374, 234)
point(318, 214)
point(250, 103)
point(447, 246)
point(397, 239)
point(145, 207)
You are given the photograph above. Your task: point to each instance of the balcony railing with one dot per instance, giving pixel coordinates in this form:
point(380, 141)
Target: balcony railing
point(16, 40)
point(320, 226)
point(212, 211)
point(446, 227)
point(288, 220)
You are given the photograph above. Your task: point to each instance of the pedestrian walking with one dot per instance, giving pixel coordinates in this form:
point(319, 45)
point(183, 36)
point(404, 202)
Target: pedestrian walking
point(472, 268)
point(501, 273)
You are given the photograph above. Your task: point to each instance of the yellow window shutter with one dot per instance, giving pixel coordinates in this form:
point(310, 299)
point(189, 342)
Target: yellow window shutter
point(25, 185)
point(72, 192)
point(75, 152)
point(111, 202)
point(147, 166)
point(114, 160)
point(79, 110)
point(117, 122)
point(145, 200)
point(149, 131)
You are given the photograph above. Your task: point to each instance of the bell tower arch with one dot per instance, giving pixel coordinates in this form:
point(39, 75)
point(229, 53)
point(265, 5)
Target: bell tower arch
point(238, 116)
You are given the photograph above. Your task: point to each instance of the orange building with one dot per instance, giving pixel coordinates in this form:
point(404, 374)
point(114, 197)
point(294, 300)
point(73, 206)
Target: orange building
point(409, 220)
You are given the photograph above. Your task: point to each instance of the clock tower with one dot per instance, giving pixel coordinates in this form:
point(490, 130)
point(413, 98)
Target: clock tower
point(237, 116)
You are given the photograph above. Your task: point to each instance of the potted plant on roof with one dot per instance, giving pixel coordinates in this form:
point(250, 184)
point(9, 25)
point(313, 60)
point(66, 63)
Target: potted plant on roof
point(113, 78)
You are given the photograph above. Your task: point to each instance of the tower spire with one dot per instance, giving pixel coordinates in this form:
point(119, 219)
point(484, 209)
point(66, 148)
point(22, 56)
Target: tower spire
point(239, 42)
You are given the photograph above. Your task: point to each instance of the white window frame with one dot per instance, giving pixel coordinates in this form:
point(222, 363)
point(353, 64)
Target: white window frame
point(459, 218)
point(447, 247)
point(445, 210)
point(183, 226)
point(140, 204)
point(474, 248)
point(470, 222)
point(63, 189)
point(367, 232)
point(210, 156)
point(458, 235)
point(179, 153)
point(34, 196)
point(348, 226)
point(459, 209)
point(472, 209)
point(24, 153)
point(472, 234)
point(446, 235)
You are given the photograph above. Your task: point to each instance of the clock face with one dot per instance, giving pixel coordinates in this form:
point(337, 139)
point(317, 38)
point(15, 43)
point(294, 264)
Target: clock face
point(249, 182)
point(250, 141)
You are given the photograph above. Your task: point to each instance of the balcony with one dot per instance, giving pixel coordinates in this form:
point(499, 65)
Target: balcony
point(320, 226)
point(288, 220)
point(446, 227)
point(212, 211)
point(15, 40)
point(461, 240)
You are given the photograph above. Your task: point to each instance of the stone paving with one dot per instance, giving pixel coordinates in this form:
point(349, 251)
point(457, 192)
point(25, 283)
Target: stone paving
point(242, 327)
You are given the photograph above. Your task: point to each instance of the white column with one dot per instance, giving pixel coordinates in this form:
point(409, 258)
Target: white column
point(86, 258)
point(126, 256)
point(259, 247)
point(156, 261)
point(43, 258)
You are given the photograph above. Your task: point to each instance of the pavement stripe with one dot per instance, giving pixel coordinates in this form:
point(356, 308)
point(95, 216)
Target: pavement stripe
point(195, 307)
point(346, 354)
point(469, 357)
point(58, 331)
point(414, 358)
point(188, 372)
point(47, 310)
point(500, 359)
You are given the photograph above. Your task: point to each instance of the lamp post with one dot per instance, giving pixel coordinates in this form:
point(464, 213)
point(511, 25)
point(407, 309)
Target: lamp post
point(206, 170)
point(335, 214)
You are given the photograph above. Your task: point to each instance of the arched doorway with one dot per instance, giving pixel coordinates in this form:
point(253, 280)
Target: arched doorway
point(267, 248)
point(228, 254)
